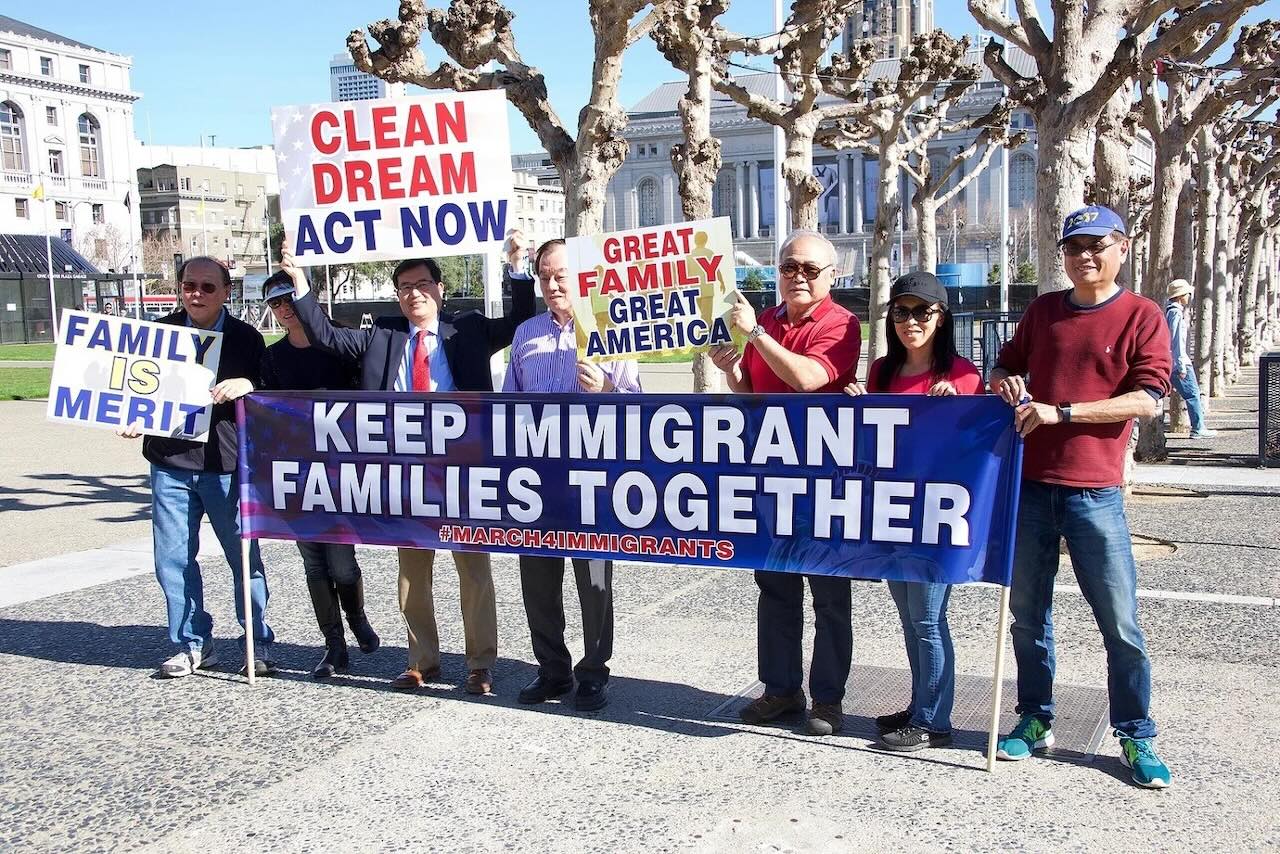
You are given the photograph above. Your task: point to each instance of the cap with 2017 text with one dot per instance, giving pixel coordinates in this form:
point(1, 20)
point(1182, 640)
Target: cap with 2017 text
point(1093, 221)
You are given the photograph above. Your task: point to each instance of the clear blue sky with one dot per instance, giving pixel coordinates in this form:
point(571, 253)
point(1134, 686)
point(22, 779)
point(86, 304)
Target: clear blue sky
point(219, 68)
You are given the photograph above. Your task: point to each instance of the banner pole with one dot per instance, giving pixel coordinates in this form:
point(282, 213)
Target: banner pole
point(246, 538)
point(248, 608)
point(997, 684)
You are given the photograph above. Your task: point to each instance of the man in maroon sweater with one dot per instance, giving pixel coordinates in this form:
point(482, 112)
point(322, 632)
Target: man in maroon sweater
point(1094, 358)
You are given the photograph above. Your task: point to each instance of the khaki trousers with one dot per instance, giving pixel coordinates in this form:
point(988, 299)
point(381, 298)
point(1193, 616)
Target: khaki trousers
point(479, 608)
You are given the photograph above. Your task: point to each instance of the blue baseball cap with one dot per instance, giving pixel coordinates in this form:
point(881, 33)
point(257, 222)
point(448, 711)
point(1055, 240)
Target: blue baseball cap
point(1094, 221)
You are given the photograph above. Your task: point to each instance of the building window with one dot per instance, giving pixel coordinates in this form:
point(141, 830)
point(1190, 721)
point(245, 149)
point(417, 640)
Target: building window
point(84, 74)
point(6, 60)
point(90, 147)
point(186, 183)
point(51, 115)
point(1022, 180)
point(20, 208)
point(647, 197)
point(60, 210)
point(46, 66)
point(12, 157)
point(98, 216)
point(55, 162)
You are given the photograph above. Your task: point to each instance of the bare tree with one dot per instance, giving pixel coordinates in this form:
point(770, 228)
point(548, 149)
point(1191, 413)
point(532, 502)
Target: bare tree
point(1206, 242)
point(1080, 64)
point(1195, 96)
point(684, 32)
point(1261, 165)
point(886, 125)
point(158, 251)
point(106, 247)
point(475, 33)
point(935, 190)
point(798, 52)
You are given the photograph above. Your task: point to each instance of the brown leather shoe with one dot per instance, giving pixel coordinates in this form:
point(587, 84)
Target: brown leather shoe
point(479, 682)
point(764, 709)
point(407, 681)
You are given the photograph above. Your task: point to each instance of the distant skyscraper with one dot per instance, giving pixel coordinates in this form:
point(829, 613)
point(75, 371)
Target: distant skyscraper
point(348, 84)
point(891, 24)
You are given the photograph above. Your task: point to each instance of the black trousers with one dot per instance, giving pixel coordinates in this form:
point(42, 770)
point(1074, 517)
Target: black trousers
point(780, 634)
point(542, 584)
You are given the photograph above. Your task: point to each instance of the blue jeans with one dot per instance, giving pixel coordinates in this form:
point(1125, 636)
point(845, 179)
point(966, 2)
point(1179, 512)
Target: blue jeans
point(1093, 523)
point(923, 611)
point(179, 499)
point(1189, 389)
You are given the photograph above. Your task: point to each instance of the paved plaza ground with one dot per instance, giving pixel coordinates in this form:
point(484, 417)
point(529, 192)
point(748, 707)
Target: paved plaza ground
point(99, 755)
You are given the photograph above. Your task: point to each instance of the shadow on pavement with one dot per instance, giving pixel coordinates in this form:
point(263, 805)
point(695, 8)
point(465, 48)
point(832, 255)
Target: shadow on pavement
point(668, 706)
point(74, 490)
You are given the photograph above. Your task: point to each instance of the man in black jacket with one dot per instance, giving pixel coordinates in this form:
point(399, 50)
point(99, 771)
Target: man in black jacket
point(190, 480)
point(423, 350)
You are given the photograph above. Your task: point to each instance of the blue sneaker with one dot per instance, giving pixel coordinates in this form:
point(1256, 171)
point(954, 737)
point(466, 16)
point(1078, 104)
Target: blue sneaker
point(1031, 734)
point(1139, 755)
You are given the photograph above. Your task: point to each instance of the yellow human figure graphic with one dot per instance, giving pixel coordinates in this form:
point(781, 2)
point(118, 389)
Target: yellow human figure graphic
point(713, 301)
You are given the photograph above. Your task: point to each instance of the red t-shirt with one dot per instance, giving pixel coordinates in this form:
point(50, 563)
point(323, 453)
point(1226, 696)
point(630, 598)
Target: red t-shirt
point(830, 334)
point(963, 375)
point(1075, 354)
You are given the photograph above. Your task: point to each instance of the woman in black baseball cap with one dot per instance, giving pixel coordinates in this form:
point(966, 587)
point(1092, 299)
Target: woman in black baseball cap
point(922, 359)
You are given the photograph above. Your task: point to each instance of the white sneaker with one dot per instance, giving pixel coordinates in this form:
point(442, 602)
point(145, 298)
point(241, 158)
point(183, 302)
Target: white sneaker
point(189, 661)
point(1204, 434)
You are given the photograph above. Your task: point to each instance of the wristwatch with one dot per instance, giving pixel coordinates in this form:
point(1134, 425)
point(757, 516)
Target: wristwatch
point(755, 333)
point(1064, 409)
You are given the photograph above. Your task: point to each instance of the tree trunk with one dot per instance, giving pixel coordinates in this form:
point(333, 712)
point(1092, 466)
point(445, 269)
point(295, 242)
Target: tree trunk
point(927, 234)
point(803, 189)
point(888, 212)
point(1231, 351)
point(1248, 329)
point(697, 163)
point(1111, 168)
point(1064, 162)
point(1222, 249)
point(1173, 172)
point(1206, 249)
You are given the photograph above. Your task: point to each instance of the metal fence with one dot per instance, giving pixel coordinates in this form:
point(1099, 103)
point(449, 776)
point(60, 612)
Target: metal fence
point(981, 334)
point(1269, 409)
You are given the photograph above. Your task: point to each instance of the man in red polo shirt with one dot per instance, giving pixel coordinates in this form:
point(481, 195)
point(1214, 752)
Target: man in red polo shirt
point(807, 344)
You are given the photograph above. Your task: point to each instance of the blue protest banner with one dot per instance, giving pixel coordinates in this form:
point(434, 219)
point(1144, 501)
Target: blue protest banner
point(877, 486)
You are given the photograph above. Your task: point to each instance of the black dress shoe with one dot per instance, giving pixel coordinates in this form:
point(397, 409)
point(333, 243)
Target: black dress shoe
point(591, 696)
point(542, 689)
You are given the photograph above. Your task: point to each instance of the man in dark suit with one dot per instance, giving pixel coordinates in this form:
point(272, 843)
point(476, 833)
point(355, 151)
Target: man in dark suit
point(425, 350)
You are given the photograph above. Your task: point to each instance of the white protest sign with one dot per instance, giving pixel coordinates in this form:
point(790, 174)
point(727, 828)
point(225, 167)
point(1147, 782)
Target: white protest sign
point(661, 289)
point(111, 372)
point(395, 177)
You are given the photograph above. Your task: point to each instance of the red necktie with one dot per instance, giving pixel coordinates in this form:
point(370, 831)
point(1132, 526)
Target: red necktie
point(421, 365)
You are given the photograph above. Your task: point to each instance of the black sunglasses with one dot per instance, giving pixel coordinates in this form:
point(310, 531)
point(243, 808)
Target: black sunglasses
point(811, 271)
point(922, 313)
point(276, 302)
point(192, 287)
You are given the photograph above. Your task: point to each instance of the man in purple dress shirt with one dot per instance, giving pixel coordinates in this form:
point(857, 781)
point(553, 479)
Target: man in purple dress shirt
point(544, 359)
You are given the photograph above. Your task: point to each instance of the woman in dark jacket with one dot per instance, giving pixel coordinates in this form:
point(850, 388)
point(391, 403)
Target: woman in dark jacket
point(333, 576)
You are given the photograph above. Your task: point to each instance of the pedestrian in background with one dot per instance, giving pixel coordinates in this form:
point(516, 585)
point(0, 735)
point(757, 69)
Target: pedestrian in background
point(1177, 313)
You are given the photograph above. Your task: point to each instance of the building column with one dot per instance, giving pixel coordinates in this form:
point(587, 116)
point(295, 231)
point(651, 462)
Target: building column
point(842, 176)
point(672, 210)
point(740, 224)
point(858, 172)
point(753, 199)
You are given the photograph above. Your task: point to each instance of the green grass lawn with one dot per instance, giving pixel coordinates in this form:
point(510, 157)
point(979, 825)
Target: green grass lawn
point(24, 383)
point(26, 352)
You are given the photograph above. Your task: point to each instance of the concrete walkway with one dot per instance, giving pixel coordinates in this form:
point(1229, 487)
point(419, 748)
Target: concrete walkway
point(123, 761)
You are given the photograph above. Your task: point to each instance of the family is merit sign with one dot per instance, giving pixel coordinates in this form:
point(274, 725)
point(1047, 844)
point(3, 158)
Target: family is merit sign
point(394, 178)
point(665, 289)
point(111, 372)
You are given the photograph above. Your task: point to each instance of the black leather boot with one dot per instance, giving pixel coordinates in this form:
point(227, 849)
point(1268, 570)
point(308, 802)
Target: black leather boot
point(335, 656)
point(329, 619)
point(352, 598)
